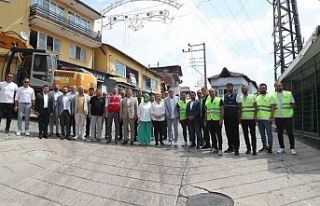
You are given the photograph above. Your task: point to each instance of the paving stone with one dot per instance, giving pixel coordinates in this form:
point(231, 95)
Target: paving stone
point(61, 172)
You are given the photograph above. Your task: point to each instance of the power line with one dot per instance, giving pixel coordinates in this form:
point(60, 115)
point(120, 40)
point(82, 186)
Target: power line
point(240, 26)
point(250, 23)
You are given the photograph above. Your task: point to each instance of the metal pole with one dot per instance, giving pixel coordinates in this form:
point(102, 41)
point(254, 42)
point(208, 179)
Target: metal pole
point(205, 65)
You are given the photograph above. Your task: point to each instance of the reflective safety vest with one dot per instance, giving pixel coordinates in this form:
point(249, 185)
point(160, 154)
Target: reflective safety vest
point(213, 108)
point(247, 107)
point(286, 108)
point(182, 109)
point(114, 103)
point(263, 106)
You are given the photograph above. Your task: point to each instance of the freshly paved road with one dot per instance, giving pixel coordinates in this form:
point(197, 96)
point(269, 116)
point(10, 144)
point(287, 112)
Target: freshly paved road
point(60, 172)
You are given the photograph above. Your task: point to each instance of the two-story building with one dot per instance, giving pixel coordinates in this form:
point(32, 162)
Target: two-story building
point(65, 28)
point(219, 81)
point(126, 71)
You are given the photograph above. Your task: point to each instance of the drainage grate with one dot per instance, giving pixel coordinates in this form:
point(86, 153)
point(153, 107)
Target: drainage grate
point(210, 199)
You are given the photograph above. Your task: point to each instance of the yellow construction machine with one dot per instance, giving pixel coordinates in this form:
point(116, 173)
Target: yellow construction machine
point(39, 66)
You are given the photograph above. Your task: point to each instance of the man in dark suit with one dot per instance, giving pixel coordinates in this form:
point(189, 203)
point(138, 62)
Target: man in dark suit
point(193, 115)
point(44, 108)
point(202, 97)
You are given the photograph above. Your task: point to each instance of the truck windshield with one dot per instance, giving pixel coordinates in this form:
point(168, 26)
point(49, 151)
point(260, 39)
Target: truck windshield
point(42, 67)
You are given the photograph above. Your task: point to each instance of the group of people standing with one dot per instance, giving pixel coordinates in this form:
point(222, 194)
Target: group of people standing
point(138, 117)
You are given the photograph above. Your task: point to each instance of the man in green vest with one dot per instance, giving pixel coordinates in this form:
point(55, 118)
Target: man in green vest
point(283, 112)
point(264, 118)
point(248, 115)
point(214, 120)
point(182, 109)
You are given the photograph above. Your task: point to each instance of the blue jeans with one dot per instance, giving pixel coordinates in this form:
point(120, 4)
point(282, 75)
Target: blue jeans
point(264, 125)
point(24, 109)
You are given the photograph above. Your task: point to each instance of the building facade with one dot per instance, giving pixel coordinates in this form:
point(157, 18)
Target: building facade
point(126, 71)
point(65, 28)
point(170, 77)
point(219, 81)
point(303, 78)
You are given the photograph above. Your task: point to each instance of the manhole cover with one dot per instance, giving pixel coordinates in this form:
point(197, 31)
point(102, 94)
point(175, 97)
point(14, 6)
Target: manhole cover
point(210, 199)
point(37, 155)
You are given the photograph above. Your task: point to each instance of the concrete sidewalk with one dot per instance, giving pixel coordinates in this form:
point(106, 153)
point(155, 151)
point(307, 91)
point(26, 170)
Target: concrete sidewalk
point(60, 172)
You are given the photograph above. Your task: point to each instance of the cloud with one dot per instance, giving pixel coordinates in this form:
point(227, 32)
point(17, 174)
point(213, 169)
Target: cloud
point(242, 45)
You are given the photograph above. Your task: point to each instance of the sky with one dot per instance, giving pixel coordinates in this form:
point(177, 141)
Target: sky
point(237, 33)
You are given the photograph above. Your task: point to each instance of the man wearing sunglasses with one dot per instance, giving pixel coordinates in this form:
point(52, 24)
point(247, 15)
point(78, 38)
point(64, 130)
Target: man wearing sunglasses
point(7, 91)
point(24, 102)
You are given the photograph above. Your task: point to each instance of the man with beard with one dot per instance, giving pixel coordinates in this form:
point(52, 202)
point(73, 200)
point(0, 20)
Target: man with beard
point(231, 120)
point(54, 118)
point(264, 117)
point(64, 109)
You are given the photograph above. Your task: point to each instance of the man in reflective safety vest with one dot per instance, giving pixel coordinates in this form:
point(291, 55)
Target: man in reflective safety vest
point(283, 112)
point(264, 118)
point(214, 120)
point(182, 108)
point(248, 114)
point(113, 108)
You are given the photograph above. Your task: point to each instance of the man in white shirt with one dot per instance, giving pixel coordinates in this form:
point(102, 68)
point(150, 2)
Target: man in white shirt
point(54, 118)
point(73, 92)
point(24, 101)
point(172, 116)
point(7, 92)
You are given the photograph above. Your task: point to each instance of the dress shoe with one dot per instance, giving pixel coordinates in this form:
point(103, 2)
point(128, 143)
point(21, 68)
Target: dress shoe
point(248, 151)
point(228, 150)
point(124, 142)
point(206, 147)
point(263, 149)
point(236, 153)
point(58, 135)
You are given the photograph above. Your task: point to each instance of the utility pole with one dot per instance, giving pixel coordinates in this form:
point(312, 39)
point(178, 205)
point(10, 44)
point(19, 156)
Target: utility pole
point(286, 34)
point(200, 61)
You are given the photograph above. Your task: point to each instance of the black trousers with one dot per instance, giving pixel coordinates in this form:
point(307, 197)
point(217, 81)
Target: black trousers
point(6, 110)
point(165, 130)
point(65, 119)
point(194, 132)
point(285, 123)
point(121, 130)
point(158, 130)
point(43, 122)
point(184, 125)
point(72, 124)
point(88, 126)
point(216, 135)
point(205, 138)
point(246, 126)
point(232, 132)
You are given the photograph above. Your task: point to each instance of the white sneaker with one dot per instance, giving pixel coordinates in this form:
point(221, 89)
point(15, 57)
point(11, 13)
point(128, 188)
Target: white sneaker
point(280, 151)
point(27, 133)
point(220, 153)
point(293, 152)
point(75, 137)
point(83, 138)
point(18, 133)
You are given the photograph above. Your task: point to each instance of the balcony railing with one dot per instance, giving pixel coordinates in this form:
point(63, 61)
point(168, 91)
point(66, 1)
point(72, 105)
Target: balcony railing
point(38, 10)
